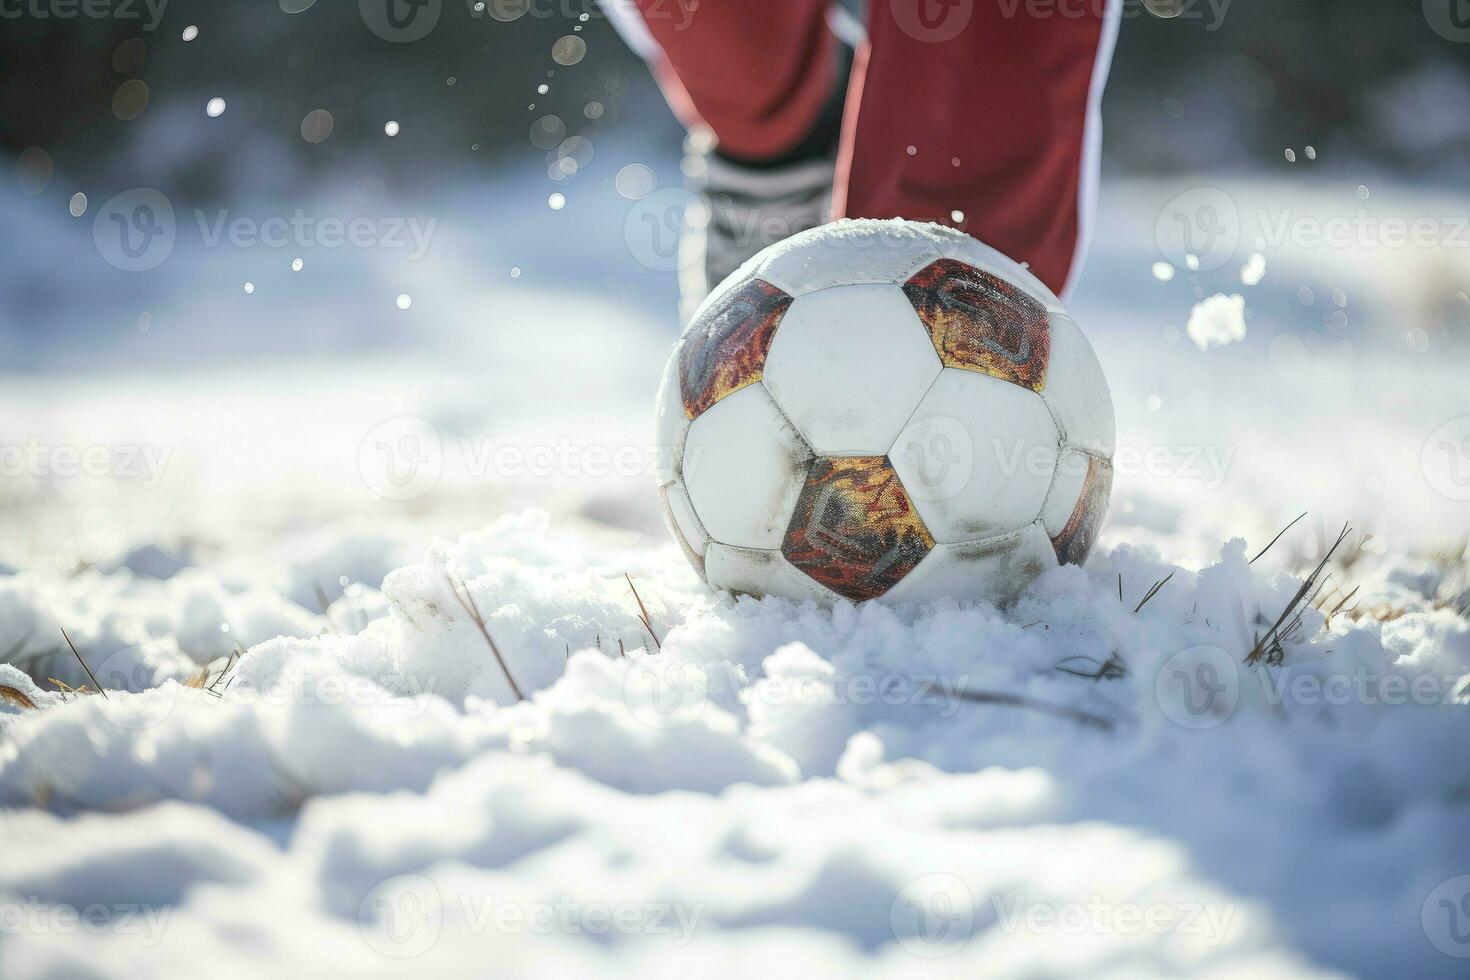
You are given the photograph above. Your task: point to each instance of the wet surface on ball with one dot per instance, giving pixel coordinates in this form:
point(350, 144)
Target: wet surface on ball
point(725, 350)
point(982, 323)
point(855, 529)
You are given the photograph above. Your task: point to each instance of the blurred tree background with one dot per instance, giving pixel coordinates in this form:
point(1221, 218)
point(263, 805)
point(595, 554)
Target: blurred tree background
point(75, 87)
point(116, 99)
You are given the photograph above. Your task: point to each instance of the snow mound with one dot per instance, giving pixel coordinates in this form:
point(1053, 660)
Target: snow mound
point(506, 764)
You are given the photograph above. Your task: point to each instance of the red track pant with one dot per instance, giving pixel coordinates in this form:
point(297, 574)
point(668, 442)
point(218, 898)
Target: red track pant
point(976, 113)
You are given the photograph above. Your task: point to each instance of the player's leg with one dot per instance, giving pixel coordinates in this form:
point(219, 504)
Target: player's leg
point(761, 87)
point(757, 74)
point(982, 115)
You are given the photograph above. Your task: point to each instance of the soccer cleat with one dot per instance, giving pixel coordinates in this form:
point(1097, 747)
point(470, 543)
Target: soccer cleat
point(747, 205)
point(744, 209)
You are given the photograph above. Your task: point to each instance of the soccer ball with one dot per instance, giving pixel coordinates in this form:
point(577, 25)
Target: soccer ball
point(883, 408)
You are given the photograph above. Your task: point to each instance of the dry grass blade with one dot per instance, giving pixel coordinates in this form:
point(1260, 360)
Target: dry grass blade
point(234, 655)
point(1345, 600)
point(1112, 668)
point(1292, 628)
point(66, 688)
point(1278, 537)
point(1271, 641)
point(1045, 707)
point(467, 603)
point(82, 662)
point(1062, 667)
point(643, 612)
point(19, 698)
point(1109, 669)
point(1153, 591)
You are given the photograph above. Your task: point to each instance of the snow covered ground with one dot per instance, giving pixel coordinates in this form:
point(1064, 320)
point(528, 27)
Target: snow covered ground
point(769, 788)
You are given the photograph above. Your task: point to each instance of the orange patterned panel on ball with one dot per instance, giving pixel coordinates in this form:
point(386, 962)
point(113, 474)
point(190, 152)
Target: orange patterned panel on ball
point(725, 349)
point(855, 530)
point(982, 323)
